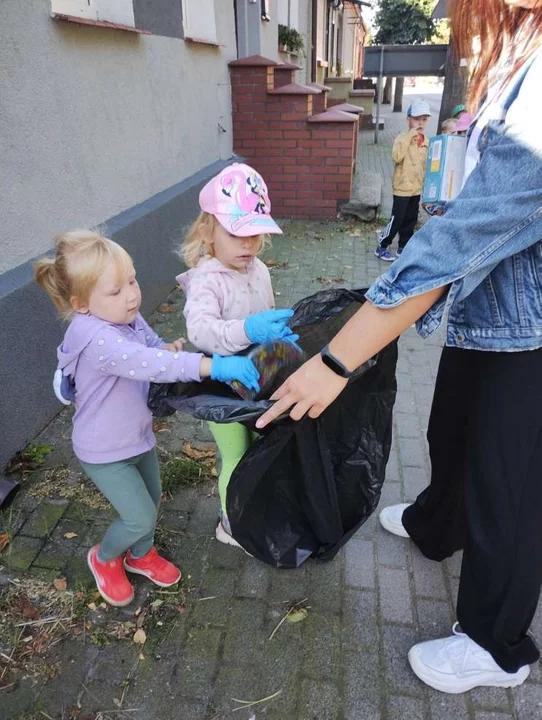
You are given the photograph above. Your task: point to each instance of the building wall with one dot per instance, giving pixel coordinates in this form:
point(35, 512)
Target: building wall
point(97, 126)
point(96, 120)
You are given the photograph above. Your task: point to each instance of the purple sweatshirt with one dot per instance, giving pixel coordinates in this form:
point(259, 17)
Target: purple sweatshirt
point(112, 366)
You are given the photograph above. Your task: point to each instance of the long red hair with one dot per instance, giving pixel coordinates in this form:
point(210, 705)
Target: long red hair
point(496, 25)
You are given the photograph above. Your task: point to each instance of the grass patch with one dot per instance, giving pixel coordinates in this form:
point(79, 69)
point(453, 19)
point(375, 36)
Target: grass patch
point(183, 472)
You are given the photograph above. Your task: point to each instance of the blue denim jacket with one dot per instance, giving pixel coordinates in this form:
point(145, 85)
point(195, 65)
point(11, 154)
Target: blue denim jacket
point(487, 247)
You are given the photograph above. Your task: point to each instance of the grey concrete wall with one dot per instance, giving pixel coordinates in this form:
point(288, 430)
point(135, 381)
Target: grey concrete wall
point(30, 328)
point(93, 121)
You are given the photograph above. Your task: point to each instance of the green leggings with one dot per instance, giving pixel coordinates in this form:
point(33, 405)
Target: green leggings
point(233, 440)
point(133, 487)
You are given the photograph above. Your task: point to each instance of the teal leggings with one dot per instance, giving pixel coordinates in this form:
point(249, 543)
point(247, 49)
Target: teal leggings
point(233, 440)
point(133, 487)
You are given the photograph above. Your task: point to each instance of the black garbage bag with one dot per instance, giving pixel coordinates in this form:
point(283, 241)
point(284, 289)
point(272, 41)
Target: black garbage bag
point(304, 488)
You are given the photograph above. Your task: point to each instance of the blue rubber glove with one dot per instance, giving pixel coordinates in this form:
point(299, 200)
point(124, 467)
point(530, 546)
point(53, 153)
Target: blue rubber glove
point(226, 369)
point(268, 325)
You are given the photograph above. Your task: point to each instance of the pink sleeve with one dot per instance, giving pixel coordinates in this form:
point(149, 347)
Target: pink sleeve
point(266, 278)
point(111, 353)
point(204, 324)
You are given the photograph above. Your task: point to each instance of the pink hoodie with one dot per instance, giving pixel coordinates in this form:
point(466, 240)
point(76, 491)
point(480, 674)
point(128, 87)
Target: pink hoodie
point(219, 299)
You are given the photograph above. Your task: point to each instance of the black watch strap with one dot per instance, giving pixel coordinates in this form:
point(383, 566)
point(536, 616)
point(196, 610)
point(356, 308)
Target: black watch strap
point(334, 364)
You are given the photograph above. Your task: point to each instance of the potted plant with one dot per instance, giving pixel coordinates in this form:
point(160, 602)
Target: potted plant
point(290, 40)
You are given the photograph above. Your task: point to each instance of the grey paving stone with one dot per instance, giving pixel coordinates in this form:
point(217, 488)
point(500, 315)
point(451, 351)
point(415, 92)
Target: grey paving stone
point(428, 575)
point(407, 424)
point(395, 599)
point(244, 637)
point(322, 647)
point(527, 701)
point(319, 700)
point(204, 517)
point(289, 585)
point(363, 692)
point(390, 549)
point(397, 641)
point(412, 453)
point(360, 564)
point(447, 707)
point(391, 494)
point(360, 621)
point(435, 618)
point(254, 579)
point(401, 707)
point(415, 479)
point(490, 715)
point(325, 585)
point(491, 697)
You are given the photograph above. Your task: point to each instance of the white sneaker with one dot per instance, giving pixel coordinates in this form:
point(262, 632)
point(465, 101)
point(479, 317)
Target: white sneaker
point(391, 519)
point(457, 664)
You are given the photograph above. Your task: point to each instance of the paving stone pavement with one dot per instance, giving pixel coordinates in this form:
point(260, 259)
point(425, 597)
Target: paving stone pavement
point(346, 661)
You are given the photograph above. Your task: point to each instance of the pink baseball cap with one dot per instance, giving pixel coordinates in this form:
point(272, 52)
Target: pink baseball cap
point(238, 199)
point(464, 122)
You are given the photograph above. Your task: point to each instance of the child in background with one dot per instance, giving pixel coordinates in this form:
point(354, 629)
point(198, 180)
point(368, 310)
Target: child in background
point(463, 124)
point(105, 363)
point(229, 298)
point(448, 126)
point(409, 155)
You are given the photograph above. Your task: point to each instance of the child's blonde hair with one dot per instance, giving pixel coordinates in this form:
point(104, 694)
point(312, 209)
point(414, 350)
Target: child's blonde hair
point(81, 256)
point(198, 240)
point(448, 126)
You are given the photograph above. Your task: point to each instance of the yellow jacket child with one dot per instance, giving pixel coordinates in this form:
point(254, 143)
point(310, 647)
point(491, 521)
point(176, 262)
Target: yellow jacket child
point(409, 155)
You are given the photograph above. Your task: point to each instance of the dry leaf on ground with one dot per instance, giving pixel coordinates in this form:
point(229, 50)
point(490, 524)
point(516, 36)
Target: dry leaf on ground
point(4, 541)
point(165, 308)
point(60, 584)
point(70, 535)
point(140, 636)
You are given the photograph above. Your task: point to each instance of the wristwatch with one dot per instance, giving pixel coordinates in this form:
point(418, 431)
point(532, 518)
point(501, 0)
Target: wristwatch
point(334, 364)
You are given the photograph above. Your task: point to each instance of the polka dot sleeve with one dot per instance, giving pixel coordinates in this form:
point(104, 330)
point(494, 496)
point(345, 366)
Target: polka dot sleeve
point(110, 353)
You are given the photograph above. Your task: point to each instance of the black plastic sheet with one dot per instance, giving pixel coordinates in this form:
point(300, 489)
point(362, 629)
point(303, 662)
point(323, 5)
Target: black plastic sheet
point(304, 488)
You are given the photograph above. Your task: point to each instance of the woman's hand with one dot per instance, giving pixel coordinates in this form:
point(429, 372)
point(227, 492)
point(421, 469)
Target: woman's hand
point(310, 389)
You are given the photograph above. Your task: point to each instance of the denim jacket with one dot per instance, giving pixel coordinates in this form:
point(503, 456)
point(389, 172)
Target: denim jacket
point(487, 247)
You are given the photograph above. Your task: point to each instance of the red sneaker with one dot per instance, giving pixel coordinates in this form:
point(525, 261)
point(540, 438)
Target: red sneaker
point(156, 568)
point(113, 585)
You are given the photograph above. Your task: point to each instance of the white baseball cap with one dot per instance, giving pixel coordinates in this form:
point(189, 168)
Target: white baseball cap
point(418, 108)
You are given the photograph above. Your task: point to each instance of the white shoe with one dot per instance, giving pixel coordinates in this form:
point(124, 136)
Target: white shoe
point(391, 519)
point(457, 664)
point(223, 536)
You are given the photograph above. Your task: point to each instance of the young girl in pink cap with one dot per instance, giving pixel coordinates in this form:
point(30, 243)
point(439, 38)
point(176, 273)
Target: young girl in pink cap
point(229, 298)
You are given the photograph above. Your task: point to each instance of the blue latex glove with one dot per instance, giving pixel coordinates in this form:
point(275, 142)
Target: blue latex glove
point(226, 369)
point(268, 325)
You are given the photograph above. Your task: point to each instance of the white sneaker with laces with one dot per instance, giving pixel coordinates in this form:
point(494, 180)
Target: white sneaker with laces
point(457, 664)
point(391, 519)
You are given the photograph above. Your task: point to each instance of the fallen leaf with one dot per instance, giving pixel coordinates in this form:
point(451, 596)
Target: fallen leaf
point(159, 623)
point(70, 535)
point(28, 639)
point(60, 584)
point(103, 606)
point(91, 606)
point(141, 656)
point(297, 615)
point(4, 541)
point(140, 637)
point(156, 604)
point(165, 308)
point(197, 453)
point(160, 426)
point(214, 472)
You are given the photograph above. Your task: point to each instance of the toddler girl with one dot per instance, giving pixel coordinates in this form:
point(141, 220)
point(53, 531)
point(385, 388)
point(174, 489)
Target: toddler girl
point(229, 298)
point(106, 361)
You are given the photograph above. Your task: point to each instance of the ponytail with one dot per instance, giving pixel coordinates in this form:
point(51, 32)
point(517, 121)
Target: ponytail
point(47, 275)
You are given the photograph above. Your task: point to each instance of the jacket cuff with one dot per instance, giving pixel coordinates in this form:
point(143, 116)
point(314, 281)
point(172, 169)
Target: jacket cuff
point(238, 336)
point(384, 294)
point(191, 365)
